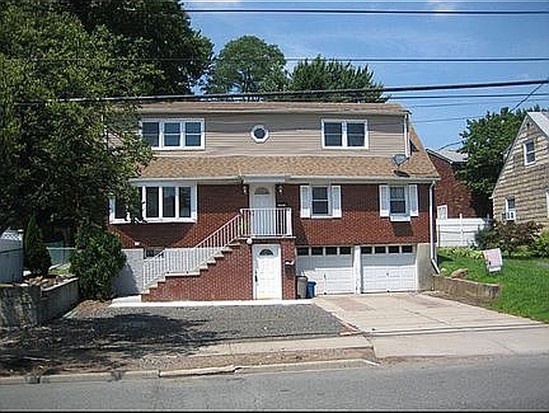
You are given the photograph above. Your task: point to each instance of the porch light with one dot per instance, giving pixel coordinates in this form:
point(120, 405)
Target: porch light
point(279, 188)
point(244, 188)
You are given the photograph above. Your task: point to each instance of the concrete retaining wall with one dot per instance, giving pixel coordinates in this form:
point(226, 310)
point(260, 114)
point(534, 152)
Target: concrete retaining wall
point(467, 289)
point(31, 305)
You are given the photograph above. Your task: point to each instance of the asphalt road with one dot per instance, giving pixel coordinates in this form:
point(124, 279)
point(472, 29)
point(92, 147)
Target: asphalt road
point(475, 384)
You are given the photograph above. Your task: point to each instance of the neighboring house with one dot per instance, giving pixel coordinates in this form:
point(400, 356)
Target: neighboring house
point(453, 198)
point(521, 193)
point(458, 216)
point(242, 197)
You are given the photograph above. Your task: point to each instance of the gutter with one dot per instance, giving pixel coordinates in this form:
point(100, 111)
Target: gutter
point(432, 247)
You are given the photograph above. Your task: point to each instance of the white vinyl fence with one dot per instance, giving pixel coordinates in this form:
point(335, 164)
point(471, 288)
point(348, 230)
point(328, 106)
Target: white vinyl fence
point(459, 232)
point(11, 257)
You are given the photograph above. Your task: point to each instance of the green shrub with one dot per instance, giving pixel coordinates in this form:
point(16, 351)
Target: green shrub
point(461, 252)
point(540, 248)
point(510, 237)
point(36, 257)
point(97, 260)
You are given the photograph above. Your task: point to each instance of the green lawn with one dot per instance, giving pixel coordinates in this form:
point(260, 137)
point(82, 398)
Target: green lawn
point(524, 283)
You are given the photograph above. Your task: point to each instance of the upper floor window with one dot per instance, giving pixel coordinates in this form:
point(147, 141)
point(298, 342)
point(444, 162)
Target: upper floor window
point(160, 203)
point(398, 202)
point(345, 134)
point(529, 152)
point(174, 133)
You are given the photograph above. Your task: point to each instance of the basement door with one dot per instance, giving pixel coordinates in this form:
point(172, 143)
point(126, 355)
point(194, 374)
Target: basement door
point(267, 272)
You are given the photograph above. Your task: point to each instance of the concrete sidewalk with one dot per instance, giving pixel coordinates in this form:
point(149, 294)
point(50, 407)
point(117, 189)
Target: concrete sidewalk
point(418, 325)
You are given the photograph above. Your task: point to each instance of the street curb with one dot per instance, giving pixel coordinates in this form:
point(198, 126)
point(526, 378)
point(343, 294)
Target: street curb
point(115, 375)
point(198, 372)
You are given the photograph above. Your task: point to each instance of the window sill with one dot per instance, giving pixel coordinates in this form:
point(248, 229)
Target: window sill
point(346, 148)
point(400, 218)
point(156, 221)
point(177, 148)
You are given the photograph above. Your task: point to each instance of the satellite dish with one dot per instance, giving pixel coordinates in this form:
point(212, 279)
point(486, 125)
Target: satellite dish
point(399, 159)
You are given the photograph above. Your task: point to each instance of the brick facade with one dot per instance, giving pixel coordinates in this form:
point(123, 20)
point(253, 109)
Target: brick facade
point(452, 192)
point(230, 278)
point(360, 223)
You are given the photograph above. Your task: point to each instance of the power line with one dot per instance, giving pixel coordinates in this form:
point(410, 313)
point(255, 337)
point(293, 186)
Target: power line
point(528, 96)
point(299, 59)
point(466, 96)
point(303, 92)
point(369, 11)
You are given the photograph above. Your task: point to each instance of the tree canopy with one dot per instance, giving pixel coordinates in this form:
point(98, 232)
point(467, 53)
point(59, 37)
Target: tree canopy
point(159, 33)
point(485, 141)
point(322, 74)
point(57, 161)
point(247, 65)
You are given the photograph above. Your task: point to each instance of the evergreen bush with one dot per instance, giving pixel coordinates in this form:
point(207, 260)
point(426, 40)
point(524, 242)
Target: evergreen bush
point(36, 257)
point(97, 260)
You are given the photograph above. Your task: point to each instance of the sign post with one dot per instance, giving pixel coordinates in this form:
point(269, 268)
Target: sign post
point(493, 259)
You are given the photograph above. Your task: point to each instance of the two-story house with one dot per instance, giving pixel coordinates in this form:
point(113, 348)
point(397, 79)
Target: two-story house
point(241, 197)
point(521, 192)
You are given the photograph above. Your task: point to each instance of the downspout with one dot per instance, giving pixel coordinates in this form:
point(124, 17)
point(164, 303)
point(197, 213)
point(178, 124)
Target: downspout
point(432, 248)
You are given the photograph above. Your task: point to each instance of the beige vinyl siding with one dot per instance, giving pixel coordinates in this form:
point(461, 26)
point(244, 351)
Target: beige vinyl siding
point(526, 183)
point(295, 134)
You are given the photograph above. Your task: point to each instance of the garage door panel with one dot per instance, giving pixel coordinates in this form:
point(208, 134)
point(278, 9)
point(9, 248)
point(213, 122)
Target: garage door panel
point(333, 274)
point(388, 272)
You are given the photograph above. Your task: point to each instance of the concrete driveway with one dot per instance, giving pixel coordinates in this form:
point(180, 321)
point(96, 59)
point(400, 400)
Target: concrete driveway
point(419, 325)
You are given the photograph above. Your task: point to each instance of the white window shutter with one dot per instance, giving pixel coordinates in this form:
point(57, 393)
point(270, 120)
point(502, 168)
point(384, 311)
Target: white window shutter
point(336, 201)
point(384, 201)
point(194, 203)
point(414, 209)
point(305, 191)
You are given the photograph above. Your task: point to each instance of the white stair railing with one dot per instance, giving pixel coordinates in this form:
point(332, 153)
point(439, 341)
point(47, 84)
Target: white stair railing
point(250, 222)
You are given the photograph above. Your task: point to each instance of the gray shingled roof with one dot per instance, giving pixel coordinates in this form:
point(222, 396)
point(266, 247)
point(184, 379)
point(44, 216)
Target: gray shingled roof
point(449, 155)
point(542, 120)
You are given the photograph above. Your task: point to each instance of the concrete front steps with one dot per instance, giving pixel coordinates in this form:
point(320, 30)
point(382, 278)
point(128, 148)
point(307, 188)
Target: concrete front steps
point(210, 281)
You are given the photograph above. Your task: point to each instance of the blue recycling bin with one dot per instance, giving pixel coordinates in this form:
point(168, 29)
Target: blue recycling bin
point(311, 289)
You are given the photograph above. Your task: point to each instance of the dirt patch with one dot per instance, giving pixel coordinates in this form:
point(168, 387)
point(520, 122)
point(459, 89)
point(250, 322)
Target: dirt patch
point(94, 337)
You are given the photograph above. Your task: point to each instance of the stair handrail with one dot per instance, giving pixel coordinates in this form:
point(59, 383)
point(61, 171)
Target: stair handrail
point(163, 262)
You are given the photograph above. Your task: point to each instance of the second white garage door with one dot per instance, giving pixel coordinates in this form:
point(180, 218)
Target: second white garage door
point(388, 268)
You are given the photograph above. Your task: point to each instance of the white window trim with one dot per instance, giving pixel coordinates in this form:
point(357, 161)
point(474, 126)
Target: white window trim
point(525, 153)
point(547, 201)
point(161, 185)
point(344, 142)
point(182, 122)
point(410, 199)
point(256, 127)
point(442, 208)
point(510, 214)
point(334, 201)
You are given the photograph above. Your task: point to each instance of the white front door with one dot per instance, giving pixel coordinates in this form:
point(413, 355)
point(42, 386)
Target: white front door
point(262, 202)
point(267, 271)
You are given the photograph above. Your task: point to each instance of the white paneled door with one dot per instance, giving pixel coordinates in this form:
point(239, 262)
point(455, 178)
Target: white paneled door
point(267, 272)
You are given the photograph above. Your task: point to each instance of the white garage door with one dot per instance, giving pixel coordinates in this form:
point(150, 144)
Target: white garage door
point(388, 268)
point(330, 267)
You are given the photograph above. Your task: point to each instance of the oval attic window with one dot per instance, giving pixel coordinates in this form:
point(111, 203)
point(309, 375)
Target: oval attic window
point(259, 133)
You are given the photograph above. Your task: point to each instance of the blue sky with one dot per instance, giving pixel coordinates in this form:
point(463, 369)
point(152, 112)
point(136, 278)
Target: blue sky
point(438, 122)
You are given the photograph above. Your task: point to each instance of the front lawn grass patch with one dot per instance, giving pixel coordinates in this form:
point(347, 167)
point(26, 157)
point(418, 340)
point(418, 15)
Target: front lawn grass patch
point(524, 283)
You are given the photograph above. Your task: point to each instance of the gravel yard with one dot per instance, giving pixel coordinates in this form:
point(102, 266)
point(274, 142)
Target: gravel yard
point(95, 337)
